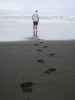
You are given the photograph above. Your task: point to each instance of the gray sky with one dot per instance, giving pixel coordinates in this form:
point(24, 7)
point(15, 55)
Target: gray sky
point(45, 7)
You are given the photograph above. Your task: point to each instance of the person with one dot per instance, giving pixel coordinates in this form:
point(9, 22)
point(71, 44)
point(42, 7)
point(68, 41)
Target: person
point(35, 19)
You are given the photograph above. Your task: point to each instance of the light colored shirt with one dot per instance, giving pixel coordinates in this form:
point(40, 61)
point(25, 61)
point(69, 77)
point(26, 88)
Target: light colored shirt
point(35, 17)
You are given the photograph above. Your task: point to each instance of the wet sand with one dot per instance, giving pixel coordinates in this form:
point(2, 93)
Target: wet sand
point(49, 64)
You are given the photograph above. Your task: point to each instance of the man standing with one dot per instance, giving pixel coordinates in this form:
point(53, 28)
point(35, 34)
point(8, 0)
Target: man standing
point(35, 19)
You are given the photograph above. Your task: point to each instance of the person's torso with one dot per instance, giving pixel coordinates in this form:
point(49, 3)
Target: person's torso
point(35, 17)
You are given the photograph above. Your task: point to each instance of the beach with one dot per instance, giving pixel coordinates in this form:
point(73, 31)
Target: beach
point(15, 28)
point(29, 61)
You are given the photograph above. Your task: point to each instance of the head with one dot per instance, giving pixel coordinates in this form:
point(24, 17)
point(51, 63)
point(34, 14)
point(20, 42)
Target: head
point(36, 11)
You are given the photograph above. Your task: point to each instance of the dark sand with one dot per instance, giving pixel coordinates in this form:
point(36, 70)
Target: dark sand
point(18, 63)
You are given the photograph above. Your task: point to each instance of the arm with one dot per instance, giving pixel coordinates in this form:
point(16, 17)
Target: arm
point(32, 17)
point(38, 18)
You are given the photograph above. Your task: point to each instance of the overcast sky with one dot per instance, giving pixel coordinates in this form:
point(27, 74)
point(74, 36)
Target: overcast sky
point(45, 7)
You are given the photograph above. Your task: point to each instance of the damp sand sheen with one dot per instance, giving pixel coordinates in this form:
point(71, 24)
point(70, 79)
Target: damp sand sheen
point(37, 70)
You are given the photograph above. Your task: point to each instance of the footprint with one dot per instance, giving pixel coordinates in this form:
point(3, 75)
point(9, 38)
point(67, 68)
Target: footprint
point(36, 44)
point(41, 61)
point(52, 69)
point(39, 50)
point(29, 90)
point(26, 85)
point(45, 46)
point(41, 42)
point(52, 54)
point(48, 71)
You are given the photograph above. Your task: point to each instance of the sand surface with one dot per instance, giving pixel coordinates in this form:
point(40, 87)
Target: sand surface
point(19, 63)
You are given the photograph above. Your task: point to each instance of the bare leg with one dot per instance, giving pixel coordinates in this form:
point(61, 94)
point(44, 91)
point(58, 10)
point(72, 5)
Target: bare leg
point(33, 30)
point(36, 30)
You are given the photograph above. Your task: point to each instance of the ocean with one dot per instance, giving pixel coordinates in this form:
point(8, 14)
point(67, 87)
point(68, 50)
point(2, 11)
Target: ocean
point(14, 28)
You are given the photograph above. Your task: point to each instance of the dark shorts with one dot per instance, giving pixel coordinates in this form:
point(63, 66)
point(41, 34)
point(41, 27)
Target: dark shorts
point(35, 23)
